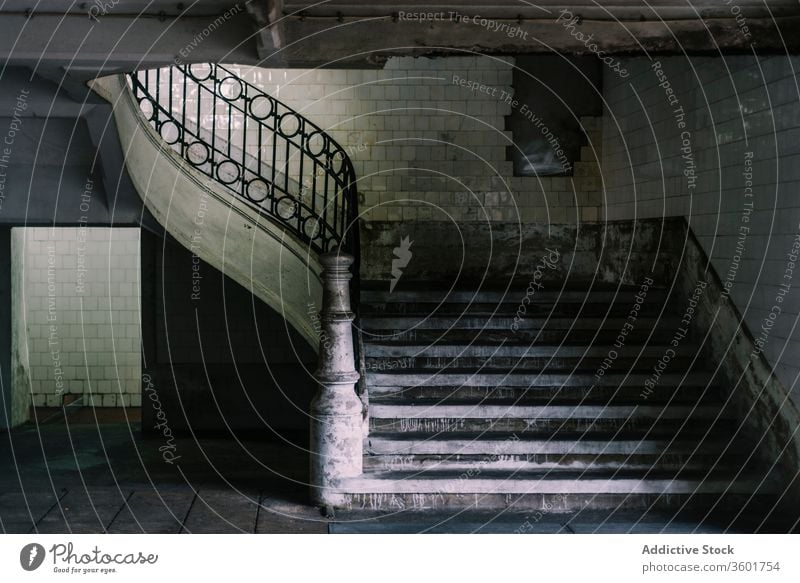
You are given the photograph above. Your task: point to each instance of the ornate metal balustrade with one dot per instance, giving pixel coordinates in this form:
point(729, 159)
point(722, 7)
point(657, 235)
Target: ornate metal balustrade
point(257, 147)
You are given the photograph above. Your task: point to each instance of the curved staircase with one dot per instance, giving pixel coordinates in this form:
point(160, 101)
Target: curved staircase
point(242, 180)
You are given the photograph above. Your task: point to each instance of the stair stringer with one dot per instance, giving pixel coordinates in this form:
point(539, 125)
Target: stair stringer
point(233, 236)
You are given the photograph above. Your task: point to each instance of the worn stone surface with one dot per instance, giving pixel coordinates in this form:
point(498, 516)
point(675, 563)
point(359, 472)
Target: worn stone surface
point(336, 411)
point(497, 254)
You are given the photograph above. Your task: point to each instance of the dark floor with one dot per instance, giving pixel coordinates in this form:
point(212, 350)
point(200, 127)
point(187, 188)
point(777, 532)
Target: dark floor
point(83, 477)
point(104, 477)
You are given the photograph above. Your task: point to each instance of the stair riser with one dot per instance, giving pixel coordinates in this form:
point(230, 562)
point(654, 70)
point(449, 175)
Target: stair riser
point(541, 395)
point(521, 463)
point(550, 428)
point(512, 296)
point(540, 503)
point(508, 309)
point(666, 382)
point(523, 323)
point(527, 337)
point(498, 447)
point(500, 349)
point(584, 365)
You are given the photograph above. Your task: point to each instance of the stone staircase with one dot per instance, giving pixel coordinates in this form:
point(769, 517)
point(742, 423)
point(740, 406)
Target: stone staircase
point(466, 412)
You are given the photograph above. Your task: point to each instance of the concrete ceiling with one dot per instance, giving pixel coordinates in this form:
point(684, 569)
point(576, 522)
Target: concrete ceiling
point(71, 42)
point(545, 9)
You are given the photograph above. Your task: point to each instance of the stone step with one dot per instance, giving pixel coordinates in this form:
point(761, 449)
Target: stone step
point(541, 462)
point(535, 504)
point(553, 309)
point(400, 350)
point(551, 482)
point(432, 410)
point(512, 444)
point(598, 395)
point(556, 492)
point(684, 395)
point(512, 295)
point(521, 337)
point(633, 428)
point(403, 379)
point(383, 357)
point(501, 322)
point(548, 420)
point(534, 364)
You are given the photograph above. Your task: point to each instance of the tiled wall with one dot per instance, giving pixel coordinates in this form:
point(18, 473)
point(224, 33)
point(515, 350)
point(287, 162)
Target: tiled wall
point(77, 312)
point(733, 169)
point(427, 139)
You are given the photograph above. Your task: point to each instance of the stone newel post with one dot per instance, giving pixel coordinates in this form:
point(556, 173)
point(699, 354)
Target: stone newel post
point(336, 423)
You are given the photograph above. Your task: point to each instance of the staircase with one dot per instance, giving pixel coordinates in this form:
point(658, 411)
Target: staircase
point(465, 412)
point(469, 402)
point(241, 179)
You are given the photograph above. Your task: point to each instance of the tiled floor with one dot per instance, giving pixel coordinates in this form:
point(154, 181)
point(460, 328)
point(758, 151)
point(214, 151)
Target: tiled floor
point(106, 478)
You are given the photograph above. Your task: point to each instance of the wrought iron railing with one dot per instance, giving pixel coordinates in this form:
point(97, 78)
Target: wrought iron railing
point(257, 147)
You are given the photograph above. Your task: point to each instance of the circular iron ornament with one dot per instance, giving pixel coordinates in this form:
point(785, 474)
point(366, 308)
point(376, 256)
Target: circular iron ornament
point(316, 143)
point(261, 107)
point(289, 125)
point(227, 172)
point(330, 172)
point(170, 132)
point(257, 190)
point(312, 227)
point(197, 153)
point(200, 71)
point(336, 161)
point(147, 108)
point(286, 208)
point(230, 88)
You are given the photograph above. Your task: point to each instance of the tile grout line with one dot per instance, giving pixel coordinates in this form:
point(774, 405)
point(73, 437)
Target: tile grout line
point(182, 529)
point(122, 507)
point(258, 511)
point(49, 510)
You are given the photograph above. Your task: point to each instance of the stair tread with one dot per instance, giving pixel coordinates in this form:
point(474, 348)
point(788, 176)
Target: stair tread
point(512, 437)
point(560, 473)
point(511, 402)
point(512, 482)
point(426, 292)
point(526, 348)
point(505, 371)
point(418, 286)
point(483, 411)
point(574, 320)
point(504, 443)
point(532, 378)
point(555, 308)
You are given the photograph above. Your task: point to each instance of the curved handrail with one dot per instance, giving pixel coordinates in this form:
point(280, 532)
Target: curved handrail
point(257, 147)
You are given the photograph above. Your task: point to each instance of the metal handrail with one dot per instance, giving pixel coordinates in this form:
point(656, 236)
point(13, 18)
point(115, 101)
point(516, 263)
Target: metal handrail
point(257, 147)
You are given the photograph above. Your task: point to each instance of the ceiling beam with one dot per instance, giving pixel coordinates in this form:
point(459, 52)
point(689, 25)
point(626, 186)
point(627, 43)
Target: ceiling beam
point(354, 42)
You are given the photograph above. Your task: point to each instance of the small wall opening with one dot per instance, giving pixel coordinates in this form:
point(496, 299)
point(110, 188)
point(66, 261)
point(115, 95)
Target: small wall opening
point(76, 318)
point(551, 94)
